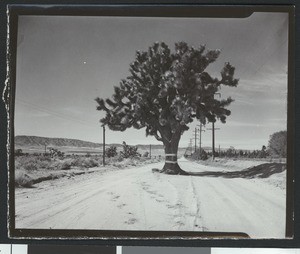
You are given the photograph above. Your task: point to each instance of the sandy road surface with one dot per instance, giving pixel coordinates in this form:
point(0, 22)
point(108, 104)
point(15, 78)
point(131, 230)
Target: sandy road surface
point(137, 199)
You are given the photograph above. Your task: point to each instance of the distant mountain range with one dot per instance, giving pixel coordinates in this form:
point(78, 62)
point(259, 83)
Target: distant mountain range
point(24, 141)
point(41, 141)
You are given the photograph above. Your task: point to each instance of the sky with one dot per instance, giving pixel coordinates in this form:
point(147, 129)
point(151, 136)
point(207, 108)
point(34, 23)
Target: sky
point(65, 62)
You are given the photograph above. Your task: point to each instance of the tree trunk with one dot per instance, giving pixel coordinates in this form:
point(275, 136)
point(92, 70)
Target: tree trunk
point(171, 166)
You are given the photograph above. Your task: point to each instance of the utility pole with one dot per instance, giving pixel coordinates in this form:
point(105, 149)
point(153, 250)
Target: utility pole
point(213, 133)
point(195, 139)
point(103, 145)
point(213, 139)
point(200, 125)
point(190, 145)
point(45, 148)
point(150, 151)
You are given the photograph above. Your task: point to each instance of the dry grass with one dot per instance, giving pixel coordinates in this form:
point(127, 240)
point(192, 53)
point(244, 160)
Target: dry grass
point(38, 162)
point(31, 169)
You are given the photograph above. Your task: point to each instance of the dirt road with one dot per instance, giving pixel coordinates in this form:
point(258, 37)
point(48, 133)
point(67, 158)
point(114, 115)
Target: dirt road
point(137, 199)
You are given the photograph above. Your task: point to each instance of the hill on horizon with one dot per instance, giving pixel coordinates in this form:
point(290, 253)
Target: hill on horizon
point(24, 140)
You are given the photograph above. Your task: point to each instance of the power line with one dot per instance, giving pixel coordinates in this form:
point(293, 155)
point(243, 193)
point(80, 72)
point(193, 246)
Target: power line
point(53, 113)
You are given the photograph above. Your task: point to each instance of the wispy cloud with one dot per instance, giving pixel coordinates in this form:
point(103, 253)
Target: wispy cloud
point(233, 123)
point(266, 123)
point(244, 102)
point(275, 82)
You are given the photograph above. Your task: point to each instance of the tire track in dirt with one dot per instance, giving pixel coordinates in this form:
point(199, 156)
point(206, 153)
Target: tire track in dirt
point(224, 209)
point(257, 206)
point(65, 206)
point(185, 206)
point(239, 210)
point(63, 202)
point(153, 197)
point(137, 199)
point(198, 220)
point(273, 201)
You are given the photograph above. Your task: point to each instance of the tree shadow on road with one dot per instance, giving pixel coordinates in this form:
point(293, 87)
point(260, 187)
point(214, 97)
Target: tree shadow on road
point(261, 171)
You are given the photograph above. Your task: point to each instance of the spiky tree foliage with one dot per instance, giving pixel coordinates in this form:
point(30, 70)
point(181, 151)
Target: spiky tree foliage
point(111, 151)
point(129, 151)
point(165, 91)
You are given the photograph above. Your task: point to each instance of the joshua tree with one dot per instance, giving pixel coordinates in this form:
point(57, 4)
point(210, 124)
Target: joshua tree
point(165, 91)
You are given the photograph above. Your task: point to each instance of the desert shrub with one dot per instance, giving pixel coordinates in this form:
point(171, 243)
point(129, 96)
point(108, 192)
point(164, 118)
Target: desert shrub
point(18, 152)
point(55, 165)
point(231, 152)
point(28, 163)
point(65, 165)
point(146, 154)
point(89, 163)
point(19, 161)
point(129, 151)
point(46, 158)
point(30, 166)
point(86, 163)
point(77, 162)
point(125, 163)
point(120, 158)
point(111, 151)
point(82, 162)
point(143, 159)
point(55, 152)
point(94, 163)
point(44, 164)
point(263, 153)
point(202, 155)
point(22, 180)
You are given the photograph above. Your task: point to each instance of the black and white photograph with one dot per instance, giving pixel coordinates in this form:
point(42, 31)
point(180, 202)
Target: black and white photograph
point(132, 123)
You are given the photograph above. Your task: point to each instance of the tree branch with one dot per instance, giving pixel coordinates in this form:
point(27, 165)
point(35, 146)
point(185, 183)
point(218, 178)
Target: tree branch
point(157, 137)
